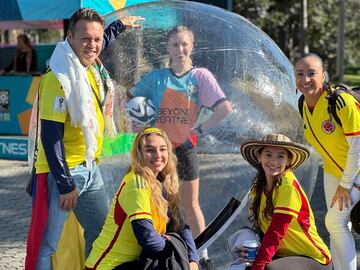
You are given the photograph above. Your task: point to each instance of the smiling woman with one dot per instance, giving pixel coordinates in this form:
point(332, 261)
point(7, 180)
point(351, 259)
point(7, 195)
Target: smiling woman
point(155, 153)
point(280, 208)
point(179, 93)
point(145, 208)
point(274, 160)
point(339, 146)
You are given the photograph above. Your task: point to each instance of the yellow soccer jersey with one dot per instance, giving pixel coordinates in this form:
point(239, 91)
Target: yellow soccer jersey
point(117, 243)
point(53, 107)
point(327, 137)
point(301, 238)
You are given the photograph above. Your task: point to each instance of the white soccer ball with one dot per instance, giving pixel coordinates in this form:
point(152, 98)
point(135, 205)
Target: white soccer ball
point(141, 110)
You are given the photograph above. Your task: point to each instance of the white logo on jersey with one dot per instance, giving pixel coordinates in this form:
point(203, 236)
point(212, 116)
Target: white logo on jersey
point(59, 104)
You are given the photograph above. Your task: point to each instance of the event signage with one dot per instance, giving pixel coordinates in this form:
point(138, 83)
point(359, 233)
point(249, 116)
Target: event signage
point(13, 148)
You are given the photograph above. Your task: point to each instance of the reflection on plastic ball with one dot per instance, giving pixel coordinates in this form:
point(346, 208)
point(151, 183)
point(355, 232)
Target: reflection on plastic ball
point(254, 74)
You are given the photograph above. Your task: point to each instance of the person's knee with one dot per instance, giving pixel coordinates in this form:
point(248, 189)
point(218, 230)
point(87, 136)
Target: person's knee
point(274, 265)
point(270, 267)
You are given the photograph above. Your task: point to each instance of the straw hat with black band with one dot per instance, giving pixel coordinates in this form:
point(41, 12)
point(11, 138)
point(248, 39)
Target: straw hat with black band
point(250, 149)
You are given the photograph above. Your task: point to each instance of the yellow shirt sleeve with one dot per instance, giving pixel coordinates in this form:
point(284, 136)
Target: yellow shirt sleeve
point(136, 199)
point(52, 99)
point(287, 200)
point(348, 110)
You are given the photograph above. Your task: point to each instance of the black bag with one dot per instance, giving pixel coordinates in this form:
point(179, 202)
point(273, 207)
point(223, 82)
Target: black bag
point(174, 257)
point(355, 217)
point(31, 181)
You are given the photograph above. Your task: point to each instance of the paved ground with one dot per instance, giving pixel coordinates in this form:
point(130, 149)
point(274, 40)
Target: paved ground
point(15, 210)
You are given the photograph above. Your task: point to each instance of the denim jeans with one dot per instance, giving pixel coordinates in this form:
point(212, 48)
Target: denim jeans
point(91, 211)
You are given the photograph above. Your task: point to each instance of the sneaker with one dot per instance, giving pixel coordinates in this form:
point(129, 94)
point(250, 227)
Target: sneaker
point(206, 264)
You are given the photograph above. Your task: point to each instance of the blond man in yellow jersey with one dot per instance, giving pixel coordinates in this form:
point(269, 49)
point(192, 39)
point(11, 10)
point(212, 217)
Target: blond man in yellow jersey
point(340, 149)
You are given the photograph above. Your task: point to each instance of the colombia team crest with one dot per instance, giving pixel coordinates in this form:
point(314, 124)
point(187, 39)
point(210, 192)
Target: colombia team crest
point(328, 126)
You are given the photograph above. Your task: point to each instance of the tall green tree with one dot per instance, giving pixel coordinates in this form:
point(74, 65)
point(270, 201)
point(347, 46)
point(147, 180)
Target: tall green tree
point(283, 22)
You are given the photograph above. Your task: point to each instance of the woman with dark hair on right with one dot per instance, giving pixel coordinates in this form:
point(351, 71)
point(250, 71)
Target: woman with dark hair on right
point(339, 146)
point(24, 59)
point(280, 209)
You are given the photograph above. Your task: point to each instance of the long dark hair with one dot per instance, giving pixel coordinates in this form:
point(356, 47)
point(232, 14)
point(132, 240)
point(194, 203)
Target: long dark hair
point(257, 188)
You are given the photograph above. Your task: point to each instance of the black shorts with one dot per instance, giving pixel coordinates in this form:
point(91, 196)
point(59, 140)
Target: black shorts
point(188, 164)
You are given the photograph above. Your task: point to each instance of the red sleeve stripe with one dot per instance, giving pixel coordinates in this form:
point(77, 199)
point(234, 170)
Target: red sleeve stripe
point(304, 220)
point(304, 215)
point(140, 213)
point(286, 209)
point(118, 211)
point(319, 248)
point(119, 218)
point(352, 133)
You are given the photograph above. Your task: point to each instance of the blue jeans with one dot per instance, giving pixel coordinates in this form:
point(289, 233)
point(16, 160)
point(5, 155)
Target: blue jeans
point(91, 211)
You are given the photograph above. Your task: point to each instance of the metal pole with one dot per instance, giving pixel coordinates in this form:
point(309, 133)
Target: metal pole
point(229, 5)
point(305, 28)
point(340, 48)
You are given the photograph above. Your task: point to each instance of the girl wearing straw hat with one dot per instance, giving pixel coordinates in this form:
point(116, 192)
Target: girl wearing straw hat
point(279, 208)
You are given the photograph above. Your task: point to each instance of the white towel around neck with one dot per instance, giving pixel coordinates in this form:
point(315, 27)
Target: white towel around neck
point(78, 95)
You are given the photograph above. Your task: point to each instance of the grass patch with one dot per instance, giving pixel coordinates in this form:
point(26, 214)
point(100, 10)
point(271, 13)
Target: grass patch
point(352, 79)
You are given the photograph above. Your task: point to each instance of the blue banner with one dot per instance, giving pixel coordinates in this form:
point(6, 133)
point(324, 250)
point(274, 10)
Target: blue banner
point(14, 148)
point(17, 94)
point(57, 9)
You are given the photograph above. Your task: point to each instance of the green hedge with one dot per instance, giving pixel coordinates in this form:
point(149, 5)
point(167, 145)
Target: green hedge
point(352, 70)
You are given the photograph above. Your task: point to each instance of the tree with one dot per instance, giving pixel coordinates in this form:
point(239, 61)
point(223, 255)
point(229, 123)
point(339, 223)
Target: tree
point(279, 19)
point(282, 21)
